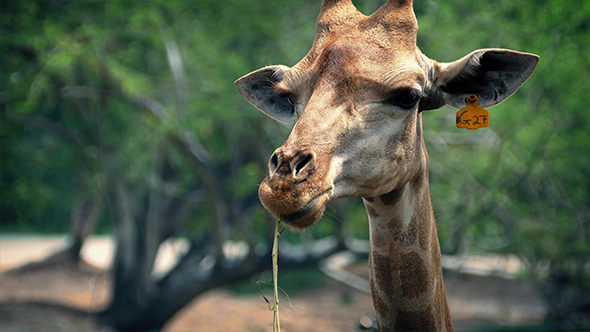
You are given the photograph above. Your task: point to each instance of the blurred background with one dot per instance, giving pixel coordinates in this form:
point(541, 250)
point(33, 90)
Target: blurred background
point(130, 166)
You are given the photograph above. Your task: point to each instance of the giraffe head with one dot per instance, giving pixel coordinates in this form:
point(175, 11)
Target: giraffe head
point(357, 98)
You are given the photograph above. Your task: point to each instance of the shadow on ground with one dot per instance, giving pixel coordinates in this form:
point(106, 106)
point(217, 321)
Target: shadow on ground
point(56, 296)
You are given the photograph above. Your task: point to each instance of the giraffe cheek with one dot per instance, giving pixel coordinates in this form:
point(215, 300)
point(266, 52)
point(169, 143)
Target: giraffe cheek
point(396, 155)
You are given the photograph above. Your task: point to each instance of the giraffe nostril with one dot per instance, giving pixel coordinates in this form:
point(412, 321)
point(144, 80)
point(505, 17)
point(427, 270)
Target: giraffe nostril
point(273, 163)
point(283, 163)
point(300, 162)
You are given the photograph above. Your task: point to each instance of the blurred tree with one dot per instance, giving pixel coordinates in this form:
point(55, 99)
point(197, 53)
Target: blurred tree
point(129, 108)
point(521, 187)
point(136, 104)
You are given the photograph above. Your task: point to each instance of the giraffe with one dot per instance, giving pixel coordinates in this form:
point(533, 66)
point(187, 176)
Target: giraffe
point(357, 99)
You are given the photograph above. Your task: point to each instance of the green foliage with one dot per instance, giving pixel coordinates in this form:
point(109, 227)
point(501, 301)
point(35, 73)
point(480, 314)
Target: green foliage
point(522, 186)
point(75, 75)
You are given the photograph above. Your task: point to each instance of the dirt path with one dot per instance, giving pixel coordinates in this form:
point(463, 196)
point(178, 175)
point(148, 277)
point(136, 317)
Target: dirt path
point(330, 307)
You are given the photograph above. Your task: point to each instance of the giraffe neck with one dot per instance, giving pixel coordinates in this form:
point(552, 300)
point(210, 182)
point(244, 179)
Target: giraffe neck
point(405, 261)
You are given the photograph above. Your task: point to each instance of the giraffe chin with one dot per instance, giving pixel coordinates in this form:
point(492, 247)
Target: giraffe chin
point(297, 213)
point(305, 217)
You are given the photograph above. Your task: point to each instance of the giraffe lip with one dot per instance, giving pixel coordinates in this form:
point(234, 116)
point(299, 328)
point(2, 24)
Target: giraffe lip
point(291, 217)
point(307, 215)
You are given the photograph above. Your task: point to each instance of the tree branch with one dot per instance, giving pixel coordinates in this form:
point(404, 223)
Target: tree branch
point(197, 273)
point(50, 126)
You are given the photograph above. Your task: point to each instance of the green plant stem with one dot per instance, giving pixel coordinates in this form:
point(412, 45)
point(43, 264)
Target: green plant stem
point(276, 326)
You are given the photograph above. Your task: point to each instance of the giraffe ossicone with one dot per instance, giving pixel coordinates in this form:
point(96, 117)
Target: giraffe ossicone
point(358, 98)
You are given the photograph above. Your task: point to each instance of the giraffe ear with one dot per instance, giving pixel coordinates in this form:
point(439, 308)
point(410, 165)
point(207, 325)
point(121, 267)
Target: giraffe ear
point(258, 88)
point(492, 74)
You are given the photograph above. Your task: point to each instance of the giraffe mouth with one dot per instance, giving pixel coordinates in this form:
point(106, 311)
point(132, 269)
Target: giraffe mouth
point(294, 207)
point(308, 215)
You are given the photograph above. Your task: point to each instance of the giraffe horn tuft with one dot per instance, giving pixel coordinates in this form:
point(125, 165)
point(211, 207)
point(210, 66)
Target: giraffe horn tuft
point(395, 4)
point(397, 15)
point(331, 6)
point(335, 14)
point(394, 7)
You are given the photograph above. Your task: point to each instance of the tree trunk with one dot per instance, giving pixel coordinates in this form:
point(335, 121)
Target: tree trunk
point(196, 274)
point(84, 216)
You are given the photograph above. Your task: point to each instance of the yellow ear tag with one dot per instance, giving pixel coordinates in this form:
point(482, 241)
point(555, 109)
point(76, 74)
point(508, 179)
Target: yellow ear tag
point(473, 116)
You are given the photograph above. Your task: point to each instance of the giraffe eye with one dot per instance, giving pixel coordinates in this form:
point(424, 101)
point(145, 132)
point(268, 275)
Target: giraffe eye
point(405, 98)
point(290, 98)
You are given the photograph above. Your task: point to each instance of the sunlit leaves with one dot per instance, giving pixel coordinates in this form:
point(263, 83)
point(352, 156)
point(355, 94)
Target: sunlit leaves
point(520, 186)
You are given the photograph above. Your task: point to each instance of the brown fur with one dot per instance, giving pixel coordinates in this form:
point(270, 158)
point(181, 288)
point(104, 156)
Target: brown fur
point(354, 138)
point(410, 295)
point(332, 81)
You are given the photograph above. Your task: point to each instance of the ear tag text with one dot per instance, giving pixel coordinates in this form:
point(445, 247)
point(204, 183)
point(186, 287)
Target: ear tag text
point(472, 116)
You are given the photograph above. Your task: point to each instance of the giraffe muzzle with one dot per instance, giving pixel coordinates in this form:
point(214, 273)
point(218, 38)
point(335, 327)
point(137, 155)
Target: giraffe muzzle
point(293, 189)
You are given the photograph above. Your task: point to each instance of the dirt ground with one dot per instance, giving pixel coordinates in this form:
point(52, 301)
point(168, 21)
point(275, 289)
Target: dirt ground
point(58, 297)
